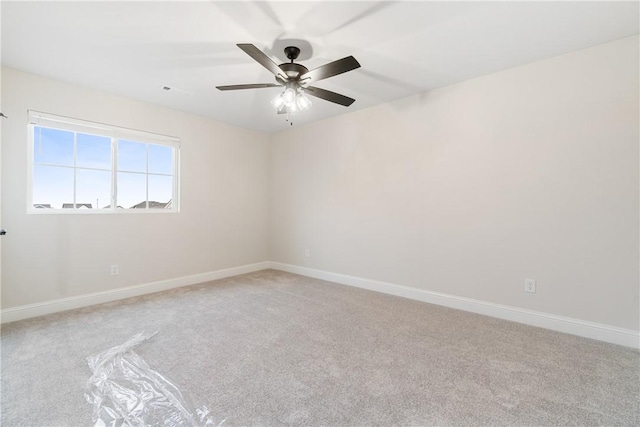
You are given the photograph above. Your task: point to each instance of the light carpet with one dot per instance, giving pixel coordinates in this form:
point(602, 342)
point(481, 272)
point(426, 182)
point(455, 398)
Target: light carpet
point(273, 348)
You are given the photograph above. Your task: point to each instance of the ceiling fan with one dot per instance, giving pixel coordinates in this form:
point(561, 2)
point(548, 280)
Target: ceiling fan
point(296, 79)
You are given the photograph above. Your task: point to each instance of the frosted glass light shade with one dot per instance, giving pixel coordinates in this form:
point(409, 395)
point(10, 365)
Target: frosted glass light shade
point(289, 95)
point(278, 102)
point(303, 102)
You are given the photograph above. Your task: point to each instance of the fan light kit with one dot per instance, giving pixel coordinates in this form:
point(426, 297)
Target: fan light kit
point(296, 80)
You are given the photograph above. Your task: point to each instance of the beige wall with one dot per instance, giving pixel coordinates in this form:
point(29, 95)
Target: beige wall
point(470, 189)
point(223, 218)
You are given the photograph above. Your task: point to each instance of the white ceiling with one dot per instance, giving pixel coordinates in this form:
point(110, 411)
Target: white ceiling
point(135, 48)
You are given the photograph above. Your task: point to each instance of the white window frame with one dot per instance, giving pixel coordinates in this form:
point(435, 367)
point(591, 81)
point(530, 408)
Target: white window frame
point(115, 133)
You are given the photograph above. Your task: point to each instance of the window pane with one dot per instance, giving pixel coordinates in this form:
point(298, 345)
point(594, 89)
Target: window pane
point(132, 156)
point(132, 190)
point(52, 146)
point(93, 189)
point(160, 190)
point(160, 159)
point(77, 165)
point(52, 187)
point(94, 151)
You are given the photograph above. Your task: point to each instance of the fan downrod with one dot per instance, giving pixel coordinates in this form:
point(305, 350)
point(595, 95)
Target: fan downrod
point(292, 52)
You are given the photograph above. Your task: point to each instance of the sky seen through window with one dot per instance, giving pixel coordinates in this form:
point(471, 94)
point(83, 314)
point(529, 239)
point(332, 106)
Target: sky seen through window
point(70, 163)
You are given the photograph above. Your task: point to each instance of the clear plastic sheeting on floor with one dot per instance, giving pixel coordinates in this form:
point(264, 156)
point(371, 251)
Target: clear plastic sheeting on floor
point(125, 391)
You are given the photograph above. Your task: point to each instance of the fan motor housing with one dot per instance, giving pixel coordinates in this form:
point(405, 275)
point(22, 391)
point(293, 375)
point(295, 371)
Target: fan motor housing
point(293, 70)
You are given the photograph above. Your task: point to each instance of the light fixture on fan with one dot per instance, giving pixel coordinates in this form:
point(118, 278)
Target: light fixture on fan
point(291, 101)
point(296, 79)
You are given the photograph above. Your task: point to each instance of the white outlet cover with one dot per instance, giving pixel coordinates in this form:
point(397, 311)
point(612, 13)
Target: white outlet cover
point(530, 286)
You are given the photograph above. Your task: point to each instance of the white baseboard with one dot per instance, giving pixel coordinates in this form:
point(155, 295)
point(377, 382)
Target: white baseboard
point(63, 304)
point(597, 331)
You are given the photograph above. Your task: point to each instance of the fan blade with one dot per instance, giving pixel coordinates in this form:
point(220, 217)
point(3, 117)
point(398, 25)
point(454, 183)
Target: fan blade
point(327, 95)
point(263, 59)
point(331, 69)
point(250, 86)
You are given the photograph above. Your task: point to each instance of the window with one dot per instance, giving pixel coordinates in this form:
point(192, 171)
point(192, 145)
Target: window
point(79, 166)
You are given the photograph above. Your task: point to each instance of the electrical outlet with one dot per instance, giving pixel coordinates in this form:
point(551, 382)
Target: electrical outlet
point(115, 270)
point(307, 253)
point(530, 286)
